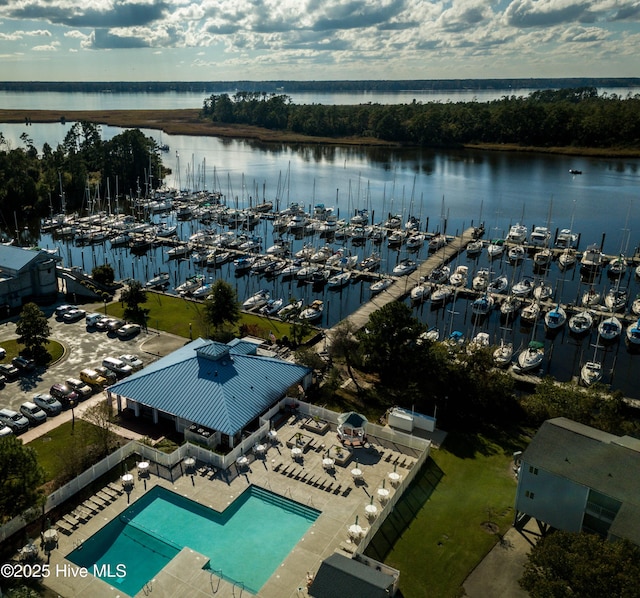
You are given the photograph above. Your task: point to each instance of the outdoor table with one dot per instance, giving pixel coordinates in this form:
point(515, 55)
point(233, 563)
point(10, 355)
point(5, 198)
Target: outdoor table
point(127, 479)
point(189, 462)
point(383, 494)
point(242, 461)
point(259, 449)
point(273, 435)
point(371, 511)
point(50, 535)
point(356, 472)
point(355, 531)
point(296, 452)
point(327, 463)
point(394, 477)
point(143, 466)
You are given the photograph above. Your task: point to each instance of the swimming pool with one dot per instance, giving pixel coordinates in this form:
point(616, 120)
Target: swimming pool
point(245, 543)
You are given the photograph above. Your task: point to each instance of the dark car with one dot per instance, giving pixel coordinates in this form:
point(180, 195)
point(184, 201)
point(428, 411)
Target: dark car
point(23, 364)
point(115, 325)
point(64, 394)
point(128, 331)
point(9, 371)
point(102, 324)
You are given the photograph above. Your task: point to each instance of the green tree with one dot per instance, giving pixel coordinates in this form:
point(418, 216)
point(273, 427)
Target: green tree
point(20, 477)
point(102, 418)
point(33, 331)
point(221, 306)
point(345, 345)
point(133, 296)
point(103, 274)
point(565, 564)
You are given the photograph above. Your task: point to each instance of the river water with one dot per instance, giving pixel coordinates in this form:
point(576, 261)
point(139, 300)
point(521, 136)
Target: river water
point(451, 189)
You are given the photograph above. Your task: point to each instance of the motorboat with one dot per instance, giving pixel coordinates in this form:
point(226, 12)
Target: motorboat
point(244, 263)
point(157, 282)
point(531, 358)
point(337, 281)
point(306, 272)
point(616, 299)
point(272, 307)
point(440, 274)
point(396, 238)
point(313, 312)
point(320, 276)
point(592, 259)
point(542, 258)
point(292, 269)
point(480, 281)
point(539, 236)
point(275, 267)
point(566, 239)
point(498, 285)
point(413, 223)
point(437, 241)
point(381, 285)
point(517, 233)
point(322, 255)
point(555, 318)
point(420, 292)
point(591, 297)
point(459, 276)
point(567, 258)
point(474, 248)
point(483, 305)
point(257, 300)
point(542, 291)
point(495, 248)
point(617, 267)
point(370, 263)
point(393, 221)
point(178, 251)
point(190, 284)
point(590, 373)
point(580, 322)
point(278, 248)
point(405, 267)
point(523, 288)
point(610, 328)
point(290, 310)
point(480, 341)
point(503, 354)
point(531, 312)
point(360, 218)
point(633, 333)
point(516, 253)
point(415, 241)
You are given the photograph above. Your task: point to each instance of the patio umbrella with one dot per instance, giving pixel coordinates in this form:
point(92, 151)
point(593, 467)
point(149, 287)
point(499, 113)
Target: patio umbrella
point(395, 466)
point(383, 481)
point(356, 520)
point(371, 501)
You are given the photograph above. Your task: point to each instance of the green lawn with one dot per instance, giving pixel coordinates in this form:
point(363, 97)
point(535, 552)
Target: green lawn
point(436, 536)
point(176, 315)
point(14, 348)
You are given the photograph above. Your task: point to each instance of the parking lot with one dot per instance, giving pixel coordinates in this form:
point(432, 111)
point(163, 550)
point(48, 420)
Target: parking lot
point(84, 348)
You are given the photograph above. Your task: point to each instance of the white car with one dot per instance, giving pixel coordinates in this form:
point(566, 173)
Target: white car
point(47, 403)
point(33, 413)
point(132, 360)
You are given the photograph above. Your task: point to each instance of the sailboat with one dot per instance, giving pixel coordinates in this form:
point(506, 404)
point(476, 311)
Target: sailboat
point(591, 371)
point(610, 328)
point(531, 358)
point(633, 334)
point(503, 354)
point(580, 322)
point(555, 318)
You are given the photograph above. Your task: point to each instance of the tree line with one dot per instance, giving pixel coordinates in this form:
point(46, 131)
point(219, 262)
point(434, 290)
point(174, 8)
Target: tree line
point(578, 117)
point(84, 167)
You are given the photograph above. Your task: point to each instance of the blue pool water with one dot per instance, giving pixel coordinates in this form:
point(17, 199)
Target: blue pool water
point(246, 542)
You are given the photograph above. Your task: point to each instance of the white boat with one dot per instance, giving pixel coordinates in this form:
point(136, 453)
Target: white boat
point(542, 291)
point(164, 231)
point(480, 341)
point(635, 306)
point(633, 333)
point(475, 248)
point(566, 239)
point(306, 272)
point(555, 318)
point(190, 285)
point(313, 312)
point(334, 259)
point(517, 233)
point(616, 299)
point(516, 253)
point(495, 248)
point(322, 255)
point(339, 280)
point(257, 300)
point(459, 277)
point(159, 281)
point(610, 328)
point(498, 285)
point(278, 248)
point(297, 222)
point(292, 269)
point(415, 241)
point(542, 258)
point(617, 267)
point(396, 238)
point(441, 294)
point(393, 221)
point(591, 297)
point(480, 281)
point(590, 373)
point(370, 263)
point(381, 285)
point(320, 276)
point(592, 259)
point(531, 312)
point(567, 258)
point(510, 306)
point(202, 291)
point(405, 267)
point(290, 310)
point(437, 241)
point(523, 288)
point(272, 306)
point(503, 354)
point(440, 274)
point(178, 252)
point(531, 358)
point(482, 306)
point(539, 236)
point(420, 292)
point(244, 263)
point(581, 322)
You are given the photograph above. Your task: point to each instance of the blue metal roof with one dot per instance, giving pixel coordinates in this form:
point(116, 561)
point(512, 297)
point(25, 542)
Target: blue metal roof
point(224, 394)
point(16, 258)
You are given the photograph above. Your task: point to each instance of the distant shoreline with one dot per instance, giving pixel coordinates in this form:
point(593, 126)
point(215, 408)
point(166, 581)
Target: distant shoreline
point(187, 122)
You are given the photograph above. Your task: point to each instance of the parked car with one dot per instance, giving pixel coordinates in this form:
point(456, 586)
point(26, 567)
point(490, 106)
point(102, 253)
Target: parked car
point(93, 378)
point(33, 413)
point(63, 309)
point(115, 325)
point(84, 391)
point(16, 421)
point(92, 319)
point(5, 431)
point(3, 353)
point(9, 371)
point(50, 405)
point(3, 381)
point(106, 373)
point(128, 331)
point(64, 394)
point(119, 367)
point(103, 324)
point(73, 315)
point(133, 360)
point(23, 364)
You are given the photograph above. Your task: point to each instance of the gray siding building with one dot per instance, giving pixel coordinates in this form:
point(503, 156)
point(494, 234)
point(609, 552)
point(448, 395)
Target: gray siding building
point(576, 478)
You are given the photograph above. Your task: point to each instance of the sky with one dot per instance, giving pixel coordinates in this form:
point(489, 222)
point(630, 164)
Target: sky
point(226, 40)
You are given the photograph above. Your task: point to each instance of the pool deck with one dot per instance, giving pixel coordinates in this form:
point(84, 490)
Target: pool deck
point(335, 493)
